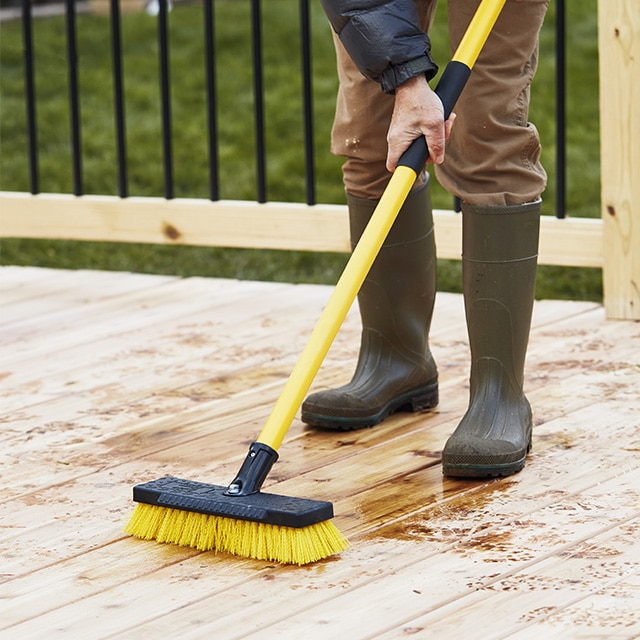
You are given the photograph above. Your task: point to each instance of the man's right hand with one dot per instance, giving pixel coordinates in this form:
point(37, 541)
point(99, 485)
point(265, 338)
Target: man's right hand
point(417, 111)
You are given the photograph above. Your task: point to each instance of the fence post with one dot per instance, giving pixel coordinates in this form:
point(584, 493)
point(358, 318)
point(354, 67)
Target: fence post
point(619, 48)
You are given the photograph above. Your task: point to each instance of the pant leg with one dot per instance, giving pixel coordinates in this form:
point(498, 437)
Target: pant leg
point(363, 114)
point(493, 154)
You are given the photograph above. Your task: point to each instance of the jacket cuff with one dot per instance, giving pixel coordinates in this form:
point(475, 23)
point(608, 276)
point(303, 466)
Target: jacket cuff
point(395, 75)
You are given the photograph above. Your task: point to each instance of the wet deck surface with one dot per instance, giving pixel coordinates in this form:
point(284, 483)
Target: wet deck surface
point(110, 379)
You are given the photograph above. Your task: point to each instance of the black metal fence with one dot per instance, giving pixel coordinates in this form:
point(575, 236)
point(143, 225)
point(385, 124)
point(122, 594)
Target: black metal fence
point(211, 93)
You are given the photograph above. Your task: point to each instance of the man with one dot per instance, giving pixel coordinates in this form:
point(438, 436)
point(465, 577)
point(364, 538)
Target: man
point(492, 164)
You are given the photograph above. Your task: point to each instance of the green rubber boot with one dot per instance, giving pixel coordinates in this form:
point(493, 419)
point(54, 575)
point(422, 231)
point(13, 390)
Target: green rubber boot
point(395, 369)
point(500, 246)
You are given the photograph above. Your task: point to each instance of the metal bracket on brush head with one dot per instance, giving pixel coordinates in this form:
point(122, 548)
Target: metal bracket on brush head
point(253, 471)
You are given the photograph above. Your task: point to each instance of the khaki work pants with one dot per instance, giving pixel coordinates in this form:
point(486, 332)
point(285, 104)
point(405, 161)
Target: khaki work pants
point(493, 154)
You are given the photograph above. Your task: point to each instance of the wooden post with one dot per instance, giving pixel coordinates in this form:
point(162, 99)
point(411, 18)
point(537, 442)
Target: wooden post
point(619, 47)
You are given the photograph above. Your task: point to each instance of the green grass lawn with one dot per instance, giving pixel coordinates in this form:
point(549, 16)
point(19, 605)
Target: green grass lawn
point(284, 132)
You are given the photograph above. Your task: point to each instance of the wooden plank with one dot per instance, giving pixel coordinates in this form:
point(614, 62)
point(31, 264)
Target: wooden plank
point(185, 314)
point(191, 340)
point(26, 298)
point(225, 223)
point(59, 337)
point(274, 225)
point(610, 612)
point(14, 279)
point(568, 242)
point(619, 50)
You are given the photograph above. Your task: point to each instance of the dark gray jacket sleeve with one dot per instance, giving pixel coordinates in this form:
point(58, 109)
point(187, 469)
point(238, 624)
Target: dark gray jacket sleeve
point(383, 38)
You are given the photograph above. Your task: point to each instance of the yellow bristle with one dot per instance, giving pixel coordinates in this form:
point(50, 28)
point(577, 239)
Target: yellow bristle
point(286, 545)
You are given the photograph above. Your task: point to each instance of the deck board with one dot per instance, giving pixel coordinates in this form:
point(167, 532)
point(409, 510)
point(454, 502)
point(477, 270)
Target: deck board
point(110, 379)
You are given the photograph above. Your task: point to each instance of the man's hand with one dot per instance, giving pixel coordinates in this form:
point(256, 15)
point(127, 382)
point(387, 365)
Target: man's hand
point(417, 111)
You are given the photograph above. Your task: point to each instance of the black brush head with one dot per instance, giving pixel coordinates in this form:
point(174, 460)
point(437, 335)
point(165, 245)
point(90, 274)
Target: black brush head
point(210, 499)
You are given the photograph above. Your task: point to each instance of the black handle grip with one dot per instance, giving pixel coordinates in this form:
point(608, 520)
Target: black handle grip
point(449, 88)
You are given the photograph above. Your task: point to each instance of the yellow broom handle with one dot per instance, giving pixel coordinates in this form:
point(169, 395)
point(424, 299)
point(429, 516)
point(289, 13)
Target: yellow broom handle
point(478, 31)
point(337, 307)
point(362, 258)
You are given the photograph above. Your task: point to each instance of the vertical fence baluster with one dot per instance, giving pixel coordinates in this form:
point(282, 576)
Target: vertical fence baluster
point(561, 139)
point(30, 95)
point(307, 88)
point(74, 97)
point(209, 35)
point(118, 98)
point(165, 96)
point(258, 92)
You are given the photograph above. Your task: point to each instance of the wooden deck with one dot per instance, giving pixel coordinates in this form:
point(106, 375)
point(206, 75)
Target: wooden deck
point(111, 379)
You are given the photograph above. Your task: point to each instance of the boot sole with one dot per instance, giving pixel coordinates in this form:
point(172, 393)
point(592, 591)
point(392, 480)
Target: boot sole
point(472, 470)
point(483, 471)
point(413, 402)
